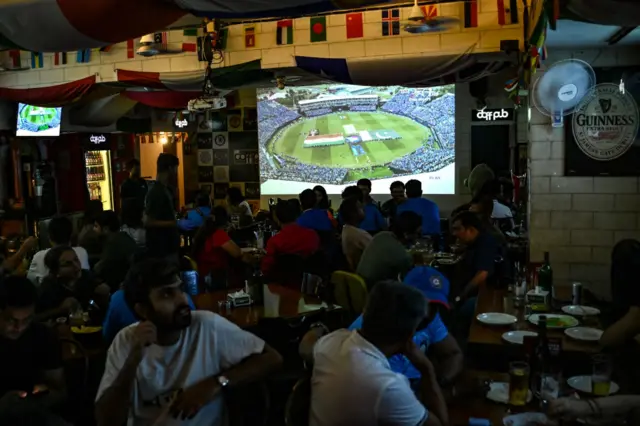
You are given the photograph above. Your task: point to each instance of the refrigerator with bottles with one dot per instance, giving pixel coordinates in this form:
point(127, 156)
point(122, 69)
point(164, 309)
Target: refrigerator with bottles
point(97, 160)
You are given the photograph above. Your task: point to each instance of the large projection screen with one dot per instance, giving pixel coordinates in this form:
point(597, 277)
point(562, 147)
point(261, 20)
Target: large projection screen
point(333, 135)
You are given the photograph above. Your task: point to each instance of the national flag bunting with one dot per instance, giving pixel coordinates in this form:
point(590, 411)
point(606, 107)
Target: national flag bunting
point(507, 12)
point(190, 32)
point(284, 32)
point(37, 60)
point(162, 40)
point(390, 22)
point(189, 47)
point(16, 59)
point(471, 13)
point(430, 11)
point(60, 58)
point(355, 27)
point(131, 51)
point(250, 36)
point(318, 28)
point(107, 48)
point(83, 56)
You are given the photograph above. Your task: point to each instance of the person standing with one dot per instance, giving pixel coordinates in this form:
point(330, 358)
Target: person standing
point(390, 206)
point(163, 238)
point(354, 240)
point(134, 187)
point(373, 221)
point(426, 209)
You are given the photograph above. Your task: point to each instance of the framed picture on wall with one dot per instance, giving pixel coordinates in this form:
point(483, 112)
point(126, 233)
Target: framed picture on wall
point(602, 137)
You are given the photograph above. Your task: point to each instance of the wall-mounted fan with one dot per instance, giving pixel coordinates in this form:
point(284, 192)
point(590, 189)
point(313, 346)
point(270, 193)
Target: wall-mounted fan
point(561, 88)
point(420, 22)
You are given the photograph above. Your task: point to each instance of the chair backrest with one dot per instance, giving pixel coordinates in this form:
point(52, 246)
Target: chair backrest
point(350, 291)
point(298, 404)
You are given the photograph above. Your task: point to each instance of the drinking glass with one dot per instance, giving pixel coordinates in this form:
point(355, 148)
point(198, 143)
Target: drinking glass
point(518, 383)
point(549, 386)
point(601, 376)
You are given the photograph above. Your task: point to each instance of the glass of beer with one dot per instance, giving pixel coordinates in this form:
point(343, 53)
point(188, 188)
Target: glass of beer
point(518, 383)
point(601, 376)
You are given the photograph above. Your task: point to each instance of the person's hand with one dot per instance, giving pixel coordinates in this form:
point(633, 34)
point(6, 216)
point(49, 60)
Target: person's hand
point(37, 389)
point(19, 394)
point(69, 304)
point(29, 244)
point(145, 334)
point(568, 408)
point(414, 354)
point(190, 401)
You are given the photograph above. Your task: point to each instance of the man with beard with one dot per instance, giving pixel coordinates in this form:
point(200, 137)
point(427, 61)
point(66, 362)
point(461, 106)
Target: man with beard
point(174, 365)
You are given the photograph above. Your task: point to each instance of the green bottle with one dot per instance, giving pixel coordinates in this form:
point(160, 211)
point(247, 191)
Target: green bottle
point(545, 275)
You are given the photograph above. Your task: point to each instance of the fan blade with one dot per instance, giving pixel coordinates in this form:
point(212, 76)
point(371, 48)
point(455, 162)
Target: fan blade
point(443, 20)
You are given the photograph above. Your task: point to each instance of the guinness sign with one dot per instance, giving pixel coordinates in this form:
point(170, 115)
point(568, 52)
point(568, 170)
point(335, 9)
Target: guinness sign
point(605, 124)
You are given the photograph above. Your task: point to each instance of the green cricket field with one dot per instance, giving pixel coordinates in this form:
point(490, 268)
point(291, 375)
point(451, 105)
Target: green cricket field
point(290, 141)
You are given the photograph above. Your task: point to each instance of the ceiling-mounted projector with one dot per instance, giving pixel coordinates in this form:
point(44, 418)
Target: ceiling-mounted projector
point(207, 103)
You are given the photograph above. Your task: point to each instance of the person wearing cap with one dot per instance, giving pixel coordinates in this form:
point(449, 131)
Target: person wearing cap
point(433, 338)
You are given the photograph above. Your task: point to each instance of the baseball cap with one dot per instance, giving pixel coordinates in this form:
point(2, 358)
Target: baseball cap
point(430, 282)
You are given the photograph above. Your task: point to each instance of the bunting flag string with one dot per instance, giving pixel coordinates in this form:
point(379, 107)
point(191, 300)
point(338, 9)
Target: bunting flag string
point(131, 52)
point(16, 58)
point(60, 58)
point(37, 60)
point(83, 56)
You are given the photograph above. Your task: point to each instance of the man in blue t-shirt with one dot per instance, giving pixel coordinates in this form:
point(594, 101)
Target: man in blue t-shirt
point(426, 209)
point(373, 220)
point(311, 217)
point(434, 337)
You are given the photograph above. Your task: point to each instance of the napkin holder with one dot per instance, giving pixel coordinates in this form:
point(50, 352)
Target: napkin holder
point(239, 298)
point(538, 299)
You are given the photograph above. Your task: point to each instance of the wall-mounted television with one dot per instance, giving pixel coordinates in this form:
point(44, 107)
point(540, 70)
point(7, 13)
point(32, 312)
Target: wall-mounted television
point(335, 134)
point(38, 121)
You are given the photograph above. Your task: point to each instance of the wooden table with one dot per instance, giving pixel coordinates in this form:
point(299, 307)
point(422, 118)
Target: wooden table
point(279, 302)
point(492, 300)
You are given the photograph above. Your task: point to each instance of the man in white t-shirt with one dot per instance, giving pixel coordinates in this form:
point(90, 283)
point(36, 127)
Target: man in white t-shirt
point(173, 367)
point(352, 383)
point(60, 229)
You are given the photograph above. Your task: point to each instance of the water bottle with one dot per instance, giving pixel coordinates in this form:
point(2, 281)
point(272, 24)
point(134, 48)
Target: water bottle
point(190, 280)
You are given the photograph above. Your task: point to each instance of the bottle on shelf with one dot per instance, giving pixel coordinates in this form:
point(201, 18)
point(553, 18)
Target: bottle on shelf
point(545, 275)
point(98, 192)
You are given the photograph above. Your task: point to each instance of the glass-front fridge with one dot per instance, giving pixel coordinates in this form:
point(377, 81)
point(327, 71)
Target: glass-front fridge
point(99, 181)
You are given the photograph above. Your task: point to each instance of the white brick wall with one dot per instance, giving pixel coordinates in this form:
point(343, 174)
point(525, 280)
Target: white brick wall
point(578, 219)
point(485, 38)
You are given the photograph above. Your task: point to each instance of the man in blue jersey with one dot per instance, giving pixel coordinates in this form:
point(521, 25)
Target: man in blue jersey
point(373, 220)
point(432, 337)
point(312, 217)
point(426, 209)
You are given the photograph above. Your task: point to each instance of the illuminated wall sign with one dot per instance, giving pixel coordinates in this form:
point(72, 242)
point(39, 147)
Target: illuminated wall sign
point(96, 141)
point(491, 115)
point(181, 124)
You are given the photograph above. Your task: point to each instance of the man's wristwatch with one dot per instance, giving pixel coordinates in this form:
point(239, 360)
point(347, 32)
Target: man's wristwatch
point(223, 381)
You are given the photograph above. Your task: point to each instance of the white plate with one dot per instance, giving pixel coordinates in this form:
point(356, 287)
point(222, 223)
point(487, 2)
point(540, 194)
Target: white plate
point(517, 337)
point(583, 384)
point(580, 310)
point(586, 334)
point(497, 318)
point(499, 392)
point(569, 320)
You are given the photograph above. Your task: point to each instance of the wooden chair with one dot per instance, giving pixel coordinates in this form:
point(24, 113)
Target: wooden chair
point(297, 410)
point(350, 291)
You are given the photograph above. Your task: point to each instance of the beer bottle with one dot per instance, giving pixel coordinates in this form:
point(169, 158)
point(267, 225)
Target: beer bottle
point(545, 275)
point(542, 355)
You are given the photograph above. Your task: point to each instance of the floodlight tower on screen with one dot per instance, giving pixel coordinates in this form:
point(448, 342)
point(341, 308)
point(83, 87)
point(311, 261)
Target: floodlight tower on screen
point(333, 135)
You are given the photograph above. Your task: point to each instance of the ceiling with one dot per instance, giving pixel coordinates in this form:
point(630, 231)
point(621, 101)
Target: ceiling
point(571, 34)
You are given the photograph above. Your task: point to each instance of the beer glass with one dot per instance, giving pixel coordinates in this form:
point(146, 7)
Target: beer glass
point(601, 376)
point(518, 383)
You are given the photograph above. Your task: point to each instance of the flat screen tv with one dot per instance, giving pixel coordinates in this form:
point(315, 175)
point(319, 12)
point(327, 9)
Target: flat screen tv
point(38, 121)
point(335, 134)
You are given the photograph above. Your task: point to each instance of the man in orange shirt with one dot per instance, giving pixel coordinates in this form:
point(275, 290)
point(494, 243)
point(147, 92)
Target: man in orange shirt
point(292, 239)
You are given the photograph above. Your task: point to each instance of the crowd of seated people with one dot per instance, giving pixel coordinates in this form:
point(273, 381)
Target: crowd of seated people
point(170, 363)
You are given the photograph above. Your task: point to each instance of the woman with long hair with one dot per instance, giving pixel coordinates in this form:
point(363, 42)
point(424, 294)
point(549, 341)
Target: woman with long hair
point(322, 197)
point(213, 249)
